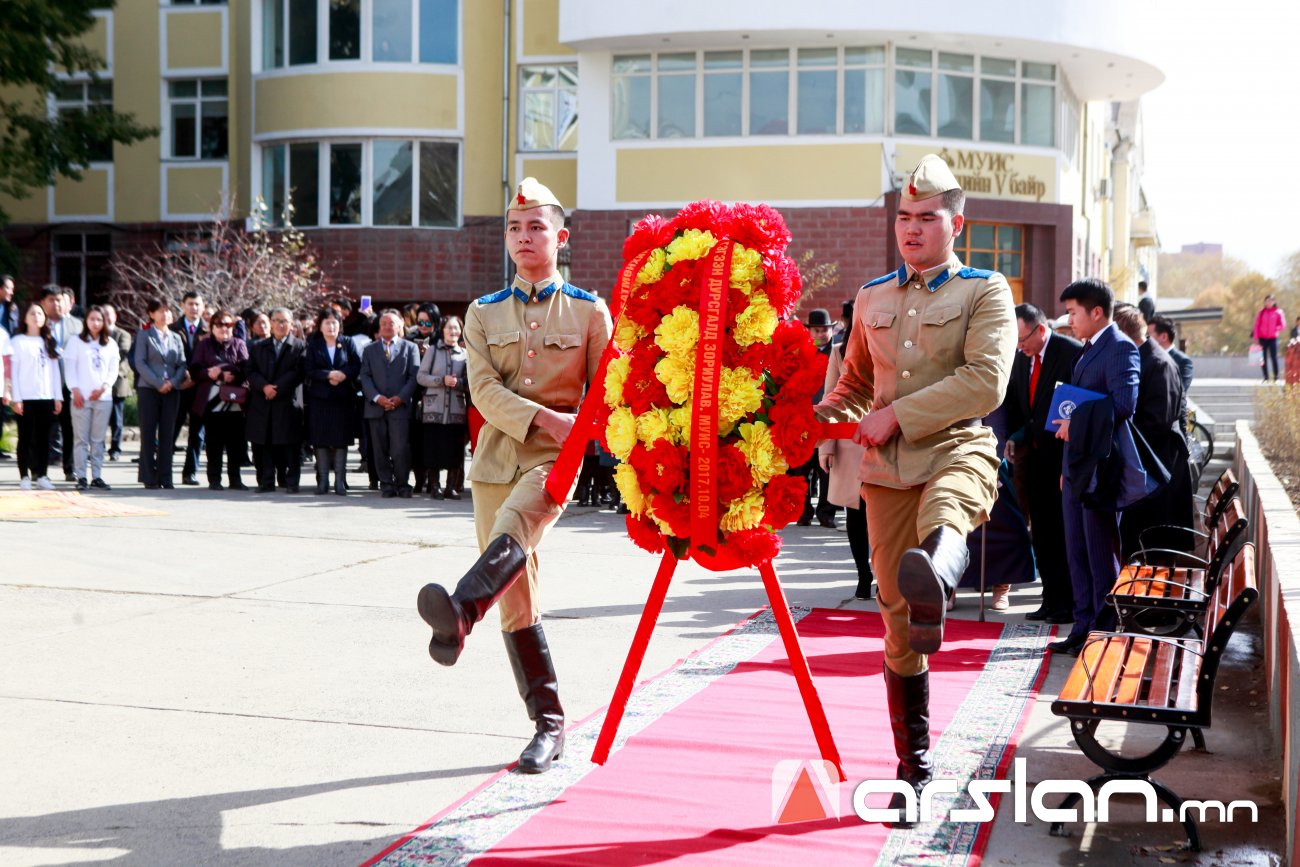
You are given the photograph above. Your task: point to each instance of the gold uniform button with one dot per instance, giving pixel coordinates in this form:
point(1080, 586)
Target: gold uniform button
point(907, 374)
point(912, 312)
point(907, 344)
point(528, 382)
point(532, 325)
point(532, 353)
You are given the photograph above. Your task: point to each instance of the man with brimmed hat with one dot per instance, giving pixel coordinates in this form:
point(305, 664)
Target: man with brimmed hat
point(820, 326)
point(533, 348)
point(929, 356)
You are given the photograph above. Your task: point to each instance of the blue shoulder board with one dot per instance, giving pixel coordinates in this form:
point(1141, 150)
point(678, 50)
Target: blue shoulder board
point(575, 292)
point(494, 297)
point(976, 273)
point(900, 275)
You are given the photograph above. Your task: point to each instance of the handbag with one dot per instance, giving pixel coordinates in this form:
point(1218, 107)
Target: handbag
point(236, 394)
point(1256, 357)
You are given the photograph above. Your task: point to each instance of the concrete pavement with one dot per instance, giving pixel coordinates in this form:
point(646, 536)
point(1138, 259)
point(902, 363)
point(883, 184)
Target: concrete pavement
point(243, 679)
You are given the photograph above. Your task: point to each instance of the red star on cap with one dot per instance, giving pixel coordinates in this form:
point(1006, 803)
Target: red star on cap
point(521, 198)
point(911, 189)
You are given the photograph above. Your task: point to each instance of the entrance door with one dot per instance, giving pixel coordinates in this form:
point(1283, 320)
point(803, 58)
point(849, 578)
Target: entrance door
point(995, 247)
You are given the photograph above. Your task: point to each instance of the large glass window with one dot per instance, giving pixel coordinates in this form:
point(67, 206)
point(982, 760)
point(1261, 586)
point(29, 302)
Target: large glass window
point(345, 184)
point(549, 102)
point(997, 100)
point(677, 74)
point(818, 90)
point(82, 97)
point(769, 92)
point(631, 89)
point(864, 90)
point(912, 91)
point(723, 92)
point(411, 183)
point(380, 31)
point(995, 247)
point(198, 118)
point(956, 96)
point(80, 262)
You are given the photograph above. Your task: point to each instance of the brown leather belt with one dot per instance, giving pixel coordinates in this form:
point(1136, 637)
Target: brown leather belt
point(566, 409)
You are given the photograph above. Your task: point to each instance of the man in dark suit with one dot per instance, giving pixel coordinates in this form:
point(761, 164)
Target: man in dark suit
point(1162, 330)
point(1043, 360)
point(388, 369)
point(192, 329)
point(1160, 407)
point(274, 425)
point(1108, 365)
point(64, 327)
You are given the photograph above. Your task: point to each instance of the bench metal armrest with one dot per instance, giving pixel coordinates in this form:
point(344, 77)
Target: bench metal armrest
point(1184, 644)
point(1141, 556)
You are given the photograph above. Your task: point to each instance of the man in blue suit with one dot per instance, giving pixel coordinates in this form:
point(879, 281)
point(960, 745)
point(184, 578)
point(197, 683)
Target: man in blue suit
point(1108, 365)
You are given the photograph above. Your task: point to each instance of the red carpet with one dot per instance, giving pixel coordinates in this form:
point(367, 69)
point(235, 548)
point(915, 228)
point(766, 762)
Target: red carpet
point(693, 779)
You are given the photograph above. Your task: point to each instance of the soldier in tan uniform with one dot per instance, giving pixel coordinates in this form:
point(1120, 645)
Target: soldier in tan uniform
point(929, 356)
point(533, 348)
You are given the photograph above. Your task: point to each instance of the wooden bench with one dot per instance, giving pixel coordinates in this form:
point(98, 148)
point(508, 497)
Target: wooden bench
point(1165, 592)
point(1172, 536)
point(1153, 680)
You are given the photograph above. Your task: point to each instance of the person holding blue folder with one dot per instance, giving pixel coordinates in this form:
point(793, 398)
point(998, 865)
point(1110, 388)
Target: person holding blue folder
point(1107, 367)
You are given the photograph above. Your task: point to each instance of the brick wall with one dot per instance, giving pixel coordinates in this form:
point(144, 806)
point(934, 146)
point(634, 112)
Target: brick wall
point(858, 239)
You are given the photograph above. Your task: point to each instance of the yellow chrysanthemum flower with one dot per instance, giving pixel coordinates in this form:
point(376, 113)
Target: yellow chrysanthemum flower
point(744, 513)
point(653, 425)
point(765, 459)
point(653, 268)
point(691, 244)
point(746, 268)
point(681, 422)
point(615, 379)
point(620, 433)
point(627, 334)
point(677, 373)
point(756, 323)
point(630, 489)
point(679, 331)
point(739, 394)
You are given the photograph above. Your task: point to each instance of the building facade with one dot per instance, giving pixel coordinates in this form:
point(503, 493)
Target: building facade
point(395, 130)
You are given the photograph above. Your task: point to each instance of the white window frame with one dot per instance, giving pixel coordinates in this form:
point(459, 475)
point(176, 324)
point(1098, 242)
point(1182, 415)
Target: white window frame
point(555, 89)
point(197, 101)
point(324, 62)
point(56, 104)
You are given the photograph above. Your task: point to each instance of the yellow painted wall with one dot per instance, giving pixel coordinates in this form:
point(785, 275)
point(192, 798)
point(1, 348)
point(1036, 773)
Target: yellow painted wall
point(749, 173)
point(560, 175)
point(355, 100)
point(87, 197)
point(481, 154)
point(541, 34)
point(193, 189)
point(193, 39)
point(96, 39)
point(31, 209)
point(136, 74)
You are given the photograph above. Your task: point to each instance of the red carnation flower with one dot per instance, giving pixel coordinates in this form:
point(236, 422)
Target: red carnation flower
point(782, 283)
point(645, 534)
point(806, 381)
point(642, 390)
point(754, 546)
point(791, 350)
point(643, 308)
point(759, 227)
point(734, 474)
point(706, 215)
point(652, 231)
point(660, 467)
point(753, 356)
point(794, 429)
point(677, 515)
point(783, 499)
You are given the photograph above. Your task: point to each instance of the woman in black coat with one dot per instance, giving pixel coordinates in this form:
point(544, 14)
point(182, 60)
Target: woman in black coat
point(333, 364)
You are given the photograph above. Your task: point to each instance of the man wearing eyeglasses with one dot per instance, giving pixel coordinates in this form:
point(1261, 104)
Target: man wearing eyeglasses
point(1043, 359)
point(275, 369)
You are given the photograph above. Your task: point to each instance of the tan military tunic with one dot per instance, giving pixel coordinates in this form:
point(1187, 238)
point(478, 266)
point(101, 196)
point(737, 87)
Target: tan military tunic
point(938, 348)
point(529, 346)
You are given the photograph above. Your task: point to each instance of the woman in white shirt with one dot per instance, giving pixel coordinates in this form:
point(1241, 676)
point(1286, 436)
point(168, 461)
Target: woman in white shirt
point(91, 364)
point(37, 395)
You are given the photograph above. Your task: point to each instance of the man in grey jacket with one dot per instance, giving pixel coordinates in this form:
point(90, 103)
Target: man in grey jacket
point(388, 369)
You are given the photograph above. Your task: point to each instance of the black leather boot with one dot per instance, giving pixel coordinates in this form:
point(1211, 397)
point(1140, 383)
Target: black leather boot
point(453, 616)
point(340, 471)
point(927, 576)
point(535, 676)
point(909, 717)
point(322, 472)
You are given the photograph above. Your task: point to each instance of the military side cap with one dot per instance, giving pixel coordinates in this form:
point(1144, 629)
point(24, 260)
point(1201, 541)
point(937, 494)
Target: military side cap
point(531, 193)
point(931, 178)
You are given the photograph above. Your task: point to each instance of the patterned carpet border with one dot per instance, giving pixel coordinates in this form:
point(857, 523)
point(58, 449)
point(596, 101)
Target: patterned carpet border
point(977, 744)
point(33, 505)
point(487, 816)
